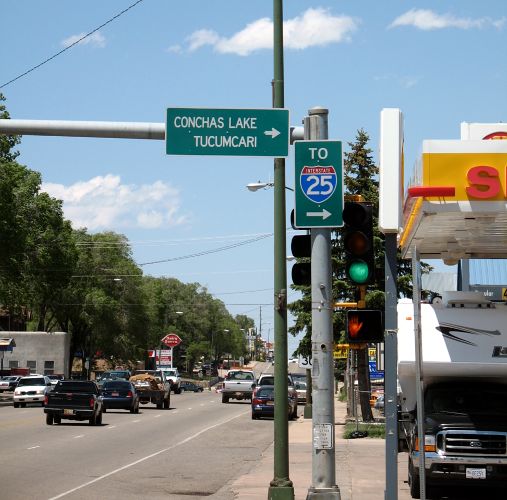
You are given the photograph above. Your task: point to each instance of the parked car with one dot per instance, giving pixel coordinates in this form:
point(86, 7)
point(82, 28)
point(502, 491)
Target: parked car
point(31, 389)
point(119, 395)
point(190, 386)
point(379, 404)
point(263, 403)
point(9, 383)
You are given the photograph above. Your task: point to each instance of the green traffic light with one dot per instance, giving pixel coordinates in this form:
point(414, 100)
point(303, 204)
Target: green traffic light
point(358, 271)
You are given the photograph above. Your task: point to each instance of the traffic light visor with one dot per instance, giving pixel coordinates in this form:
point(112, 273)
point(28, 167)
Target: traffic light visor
point(357, 243)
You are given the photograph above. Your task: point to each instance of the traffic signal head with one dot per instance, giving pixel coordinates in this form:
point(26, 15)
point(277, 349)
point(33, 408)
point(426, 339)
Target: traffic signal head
point(358, 242)
point(301, 247)
point(364, 326)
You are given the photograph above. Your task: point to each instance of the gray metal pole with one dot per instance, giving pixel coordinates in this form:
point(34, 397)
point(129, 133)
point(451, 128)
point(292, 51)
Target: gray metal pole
point(323, 432)
point(390, 367)
point(117, 130)
point(419, 386)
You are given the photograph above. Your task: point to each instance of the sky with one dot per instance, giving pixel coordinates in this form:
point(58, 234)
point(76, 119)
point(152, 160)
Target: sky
point(440, 62)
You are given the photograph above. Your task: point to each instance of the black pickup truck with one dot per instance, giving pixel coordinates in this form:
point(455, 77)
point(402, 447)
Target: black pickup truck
point(74, 400)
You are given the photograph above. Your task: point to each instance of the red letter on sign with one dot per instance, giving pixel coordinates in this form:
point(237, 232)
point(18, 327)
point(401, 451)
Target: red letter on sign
point(484, 182)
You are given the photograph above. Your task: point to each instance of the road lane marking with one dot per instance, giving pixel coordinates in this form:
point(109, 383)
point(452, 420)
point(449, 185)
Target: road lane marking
point(80, 436)
point(169, 448)
point(157, 416)
point(135, 421)
point(111, 427)
point(33, 447)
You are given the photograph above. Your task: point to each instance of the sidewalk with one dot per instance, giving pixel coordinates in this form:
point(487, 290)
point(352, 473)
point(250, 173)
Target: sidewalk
point(360, 465)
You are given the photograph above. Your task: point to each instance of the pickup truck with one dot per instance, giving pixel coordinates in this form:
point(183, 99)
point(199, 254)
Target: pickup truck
point(238, 384)
point(173, 376)
point(74, 400)
point(152, 387)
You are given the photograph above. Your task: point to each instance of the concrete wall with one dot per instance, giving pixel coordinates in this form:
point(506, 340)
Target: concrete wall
point(39, 347)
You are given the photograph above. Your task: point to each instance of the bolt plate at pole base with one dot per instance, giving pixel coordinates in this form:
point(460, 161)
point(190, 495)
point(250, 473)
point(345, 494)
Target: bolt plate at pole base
point(281, 493)
point(324, 493)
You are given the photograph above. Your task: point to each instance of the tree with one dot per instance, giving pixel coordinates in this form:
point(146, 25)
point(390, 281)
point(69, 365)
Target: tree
point(7, 142)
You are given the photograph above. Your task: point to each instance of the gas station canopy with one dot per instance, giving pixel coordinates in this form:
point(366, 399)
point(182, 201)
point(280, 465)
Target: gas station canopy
point(456, 205)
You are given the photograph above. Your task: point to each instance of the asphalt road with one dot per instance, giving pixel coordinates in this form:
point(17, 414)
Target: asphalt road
point(194, 449)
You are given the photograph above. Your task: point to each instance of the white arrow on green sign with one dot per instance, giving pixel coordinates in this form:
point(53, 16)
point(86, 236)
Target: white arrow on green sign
point(229, 132)
point(319, 184)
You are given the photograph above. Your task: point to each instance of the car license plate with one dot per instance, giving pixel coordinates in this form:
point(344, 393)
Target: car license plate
point(270, 403)
point(68, 412)
point(115, 394)
point(476, 473)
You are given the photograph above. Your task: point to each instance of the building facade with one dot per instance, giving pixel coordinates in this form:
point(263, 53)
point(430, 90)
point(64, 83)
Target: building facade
point(46, 353)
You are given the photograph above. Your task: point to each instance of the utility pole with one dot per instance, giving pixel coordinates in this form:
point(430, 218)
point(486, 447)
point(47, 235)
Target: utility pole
point(323, 443)
point(281, 487)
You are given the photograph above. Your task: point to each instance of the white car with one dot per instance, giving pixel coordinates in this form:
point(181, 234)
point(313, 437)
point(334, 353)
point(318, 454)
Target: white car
point(31, 389)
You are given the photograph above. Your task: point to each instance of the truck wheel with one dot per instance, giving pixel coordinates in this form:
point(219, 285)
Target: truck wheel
point(57, 420)
point(160, 405)
point(225, 399)
point(413, 479)
point(16, 405)
point(167, 403)
point(49, 419)
point(177, 391)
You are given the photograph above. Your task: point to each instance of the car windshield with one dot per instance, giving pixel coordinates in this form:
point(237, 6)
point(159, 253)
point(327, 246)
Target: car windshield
point(31, 381)
point(300, 385)
point(116, 385)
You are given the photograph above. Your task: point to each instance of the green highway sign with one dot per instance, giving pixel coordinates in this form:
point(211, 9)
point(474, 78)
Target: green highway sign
point(227, 132)
point(319, 184)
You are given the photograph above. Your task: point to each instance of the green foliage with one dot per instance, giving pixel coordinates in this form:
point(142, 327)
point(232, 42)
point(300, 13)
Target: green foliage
point(7, 142)
point(373, 430)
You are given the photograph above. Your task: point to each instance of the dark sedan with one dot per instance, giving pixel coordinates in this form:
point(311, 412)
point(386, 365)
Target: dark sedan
point(190, 386)
point(120, 395)
point(263, 403)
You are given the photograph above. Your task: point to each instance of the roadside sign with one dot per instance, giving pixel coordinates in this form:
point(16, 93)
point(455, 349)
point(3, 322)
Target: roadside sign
point(227, 132)
point(319, 184)
point(491, 292)
point(304, 362)
point(341, 351)
point(171, 340)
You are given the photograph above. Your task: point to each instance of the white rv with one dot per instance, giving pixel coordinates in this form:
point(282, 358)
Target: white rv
point(464, 373)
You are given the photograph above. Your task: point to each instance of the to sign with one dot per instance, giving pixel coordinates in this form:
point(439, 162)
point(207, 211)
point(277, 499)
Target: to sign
point(171, 340)
point(230, 132)
point(319, 184)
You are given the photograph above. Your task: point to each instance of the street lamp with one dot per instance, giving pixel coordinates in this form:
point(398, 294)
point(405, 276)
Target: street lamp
point(255, 186)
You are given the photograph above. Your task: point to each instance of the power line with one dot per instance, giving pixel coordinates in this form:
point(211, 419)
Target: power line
point(207, 252)
point(71, 45)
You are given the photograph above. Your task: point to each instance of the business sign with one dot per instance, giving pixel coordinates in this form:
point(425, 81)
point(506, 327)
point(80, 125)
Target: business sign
point(227, 132)
point(341, 351)
point(319, 184)
point(491, 292)
point(374, 373)
point(171, 340)
point(470, 170)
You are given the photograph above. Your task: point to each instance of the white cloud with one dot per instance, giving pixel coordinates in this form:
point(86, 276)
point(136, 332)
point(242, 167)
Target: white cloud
point(105, 203)
point(428, 20)
point(95, 39)
point(314, 28)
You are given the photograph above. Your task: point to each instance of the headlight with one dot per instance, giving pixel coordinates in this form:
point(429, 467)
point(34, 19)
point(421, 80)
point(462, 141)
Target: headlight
point(17, 393)
point(39, 391)
point(429, 443)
